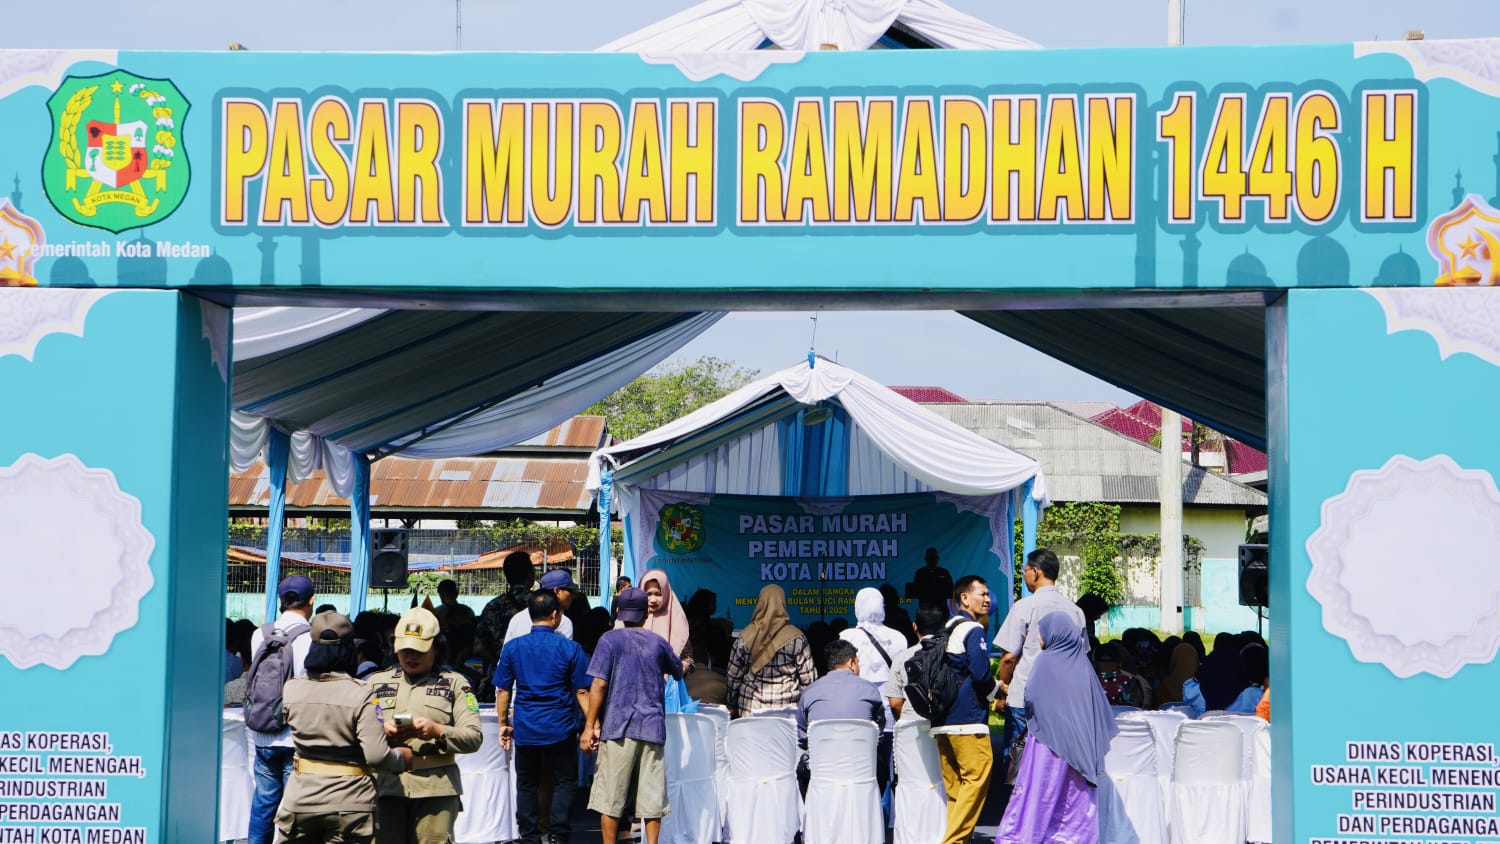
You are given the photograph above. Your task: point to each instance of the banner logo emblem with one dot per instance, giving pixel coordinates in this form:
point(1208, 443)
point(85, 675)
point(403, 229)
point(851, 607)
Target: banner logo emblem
point(679, 529)
point(116, 161)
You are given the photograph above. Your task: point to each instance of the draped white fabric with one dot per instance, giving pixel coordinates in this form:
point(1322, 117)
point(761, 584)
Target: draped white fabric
point(731, 25)
point(536, 410)
point(236, 783)
point(925, 446)
point(749, 465)
point(264, 331)
point(513, 420)
point(248, 435)
point(489, 783)
point(689, 756)
point(765, 805)
point(843, 800)
point(1210, 792)
point(921, 803)
point(809, 24)
point(1132, 803)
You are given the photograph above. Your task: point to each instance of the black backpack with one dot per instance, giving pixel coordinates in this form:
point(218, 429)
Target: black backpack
point(269, 671)
point(931, 682)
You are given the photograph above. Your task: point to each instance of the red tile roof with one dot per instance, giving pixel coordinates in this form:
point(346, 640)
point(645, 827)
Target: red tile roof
point(929, 394)
point(1142, 420)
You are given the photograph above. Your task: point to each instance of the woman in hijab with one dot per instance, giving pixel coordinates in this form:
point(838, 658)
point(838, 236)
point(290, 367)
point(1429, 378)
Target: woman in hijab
point(1181, 683)
point(664, 615)
point(878, 647)
point(1070, 725)
point(771, 662)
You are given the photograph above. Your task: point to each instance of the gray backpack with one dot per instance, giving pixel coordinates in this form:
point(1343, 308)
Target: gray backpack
point(271, 667)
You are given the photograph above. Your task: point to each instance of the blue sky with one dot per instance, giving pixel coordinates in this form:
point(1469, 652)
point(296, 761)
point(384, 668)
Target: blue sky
point(936, 348)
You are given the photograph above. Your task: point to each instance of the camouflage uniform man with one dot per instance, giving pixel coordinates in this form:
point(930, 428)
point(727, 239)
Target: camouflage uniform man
point(435, 713)
point(489, 632)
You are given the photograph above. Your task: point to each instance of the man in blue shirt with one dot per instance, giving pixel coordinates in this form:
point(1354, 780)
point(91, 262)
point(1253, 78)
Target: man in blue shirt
point(550, 676)
point(841, 693)
point(627, 668)
point(963, 740)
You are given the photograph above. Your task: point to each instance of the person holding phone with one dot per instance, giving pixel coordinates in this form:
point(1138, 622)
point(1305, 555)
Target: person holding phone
point(433, 712)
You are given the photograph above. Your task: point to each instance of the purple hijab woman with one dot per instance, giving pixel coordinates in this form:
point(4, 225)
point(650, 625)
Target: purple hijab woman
point(1071, 724)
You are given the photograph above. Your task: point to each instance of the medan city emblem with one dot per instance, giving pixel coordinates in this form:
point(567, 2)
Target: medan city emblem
point(1466, 244)
point(679, 530)
point(116, 161)
point(20, 242)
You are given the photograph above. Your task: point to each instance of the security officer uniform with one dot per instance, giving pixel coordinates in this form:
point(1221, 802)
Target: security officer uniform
point(420, 806)
point(330, 798)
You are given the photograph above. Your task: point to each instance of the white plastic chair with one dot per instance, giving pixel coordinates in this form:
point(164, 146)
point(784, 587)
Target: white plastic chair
point(236, 777)
point(1257, 735)
point(689, 756)
point(765, 805)
point(843, 799)
point(489, 783)
point(1209, 790)
point(1131, 808)
point(720, 717)
point(1164, 726)
point(921, 804)
point(1259, 825)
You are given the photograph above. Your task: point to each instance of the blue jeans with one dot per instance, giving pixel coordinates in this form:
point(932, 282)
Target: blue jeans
point(1015, 730)
point(273, 766)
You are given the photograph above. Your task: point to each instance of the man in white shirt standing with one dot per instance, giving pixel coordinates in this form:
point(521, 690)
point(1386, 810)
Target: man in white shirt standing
point(1021, 641)
point(559, 581)
point(274, 751)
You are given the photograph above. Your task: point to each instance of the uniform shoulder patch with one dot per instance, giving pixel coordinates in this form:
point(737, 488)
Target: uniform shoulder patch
point(471, 702)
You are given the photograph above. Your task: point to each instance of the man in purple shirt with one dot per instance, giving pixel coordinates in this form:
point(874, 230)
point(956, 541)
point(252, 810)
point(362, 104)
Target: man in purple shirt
point(628, 668)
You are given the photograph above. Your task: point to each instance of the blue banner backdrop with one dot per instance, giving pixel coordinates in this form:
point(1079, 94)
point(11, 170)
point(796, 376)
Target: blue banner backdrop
point(820, 550)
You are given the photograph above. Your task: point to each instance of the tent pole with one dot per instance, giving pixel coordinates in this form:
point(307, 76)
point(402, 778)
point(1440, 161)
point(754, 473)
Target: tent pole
point(359, 536)
point(278, 454)
point(606, 561)
point(1029, 517)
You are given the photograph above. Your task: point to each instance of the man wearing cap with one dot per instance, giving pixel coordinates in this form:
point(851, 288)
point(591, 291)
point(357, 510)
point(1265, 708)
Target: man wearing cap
point(274, 751)
point(550, 677)
point(559, 581)
point(331, 794)
point(627, 667)
point(435, 714)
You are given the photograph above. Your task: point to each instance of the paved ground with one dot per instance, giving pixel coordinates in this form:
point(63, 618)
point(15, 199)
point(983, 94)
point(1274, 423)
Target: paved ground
point(586, 824)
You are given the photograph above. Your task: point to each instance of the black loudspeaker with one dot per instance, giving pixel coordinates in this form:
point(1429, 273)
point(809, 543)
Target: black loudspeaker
point(1254, 560)
point(387, 559)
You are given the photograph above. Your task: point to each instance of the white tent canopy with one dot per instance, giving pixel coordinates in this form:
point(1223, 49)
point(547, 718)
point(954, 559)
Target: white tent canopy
point(732, 25)
point(894, 445)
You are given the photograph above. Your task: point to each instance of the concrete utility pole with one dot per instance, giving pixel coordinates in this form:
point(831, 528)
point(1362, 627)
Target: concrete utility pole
point(1169, 491)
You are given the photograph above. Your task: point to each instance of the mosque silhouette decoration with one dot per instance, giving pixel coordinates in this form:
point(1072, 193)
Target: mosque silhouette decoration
point(1322, 260)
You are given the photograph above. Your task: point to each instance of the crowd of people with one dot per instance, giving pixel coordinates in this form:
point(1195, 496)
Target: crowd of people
point(376, 708)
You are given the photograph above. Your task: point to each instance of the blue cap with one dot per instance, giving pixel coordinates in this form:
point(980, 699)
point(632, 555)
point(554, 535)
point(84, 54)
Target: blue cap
point(299, 586)
point(631, 605)
point(558, 579)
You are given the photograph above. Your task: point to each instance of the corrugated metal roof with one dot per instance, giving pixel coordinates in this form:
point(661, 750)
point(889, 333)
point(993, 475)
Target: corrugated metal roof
point(580, 432)
point(1085, 461)
point(466, 484)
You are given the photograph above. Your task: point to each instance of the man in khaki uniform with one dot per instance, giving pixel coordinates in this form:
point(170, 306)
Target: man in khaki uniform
point(330, 797)
point(435, 714)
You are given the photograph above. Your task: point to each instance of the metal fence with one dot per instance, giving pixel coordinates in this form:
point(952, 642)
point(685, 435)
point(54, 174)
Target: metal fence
point(441, 548)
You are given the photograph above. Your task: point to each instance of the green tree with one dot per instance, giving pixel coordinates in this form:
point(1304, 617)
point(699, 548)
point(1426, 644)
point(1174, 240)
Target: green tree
point(670, 391)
